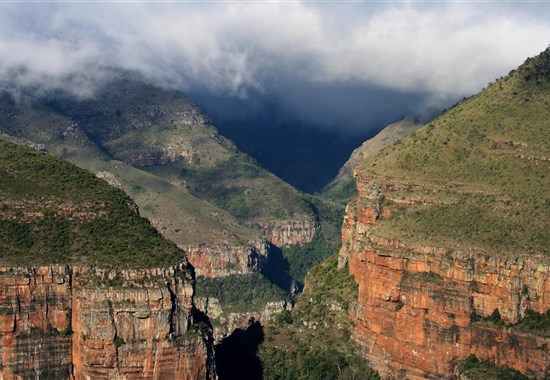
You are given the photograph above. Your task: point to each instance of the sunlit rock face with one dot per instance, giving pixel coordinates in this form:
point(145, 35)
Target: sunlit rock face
point(80, 322)
point(418, 304)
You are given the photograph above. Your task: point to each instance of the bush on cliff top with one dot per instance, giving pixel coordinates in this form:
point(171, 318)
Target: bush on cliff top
point(240, 293)
point(474, 368)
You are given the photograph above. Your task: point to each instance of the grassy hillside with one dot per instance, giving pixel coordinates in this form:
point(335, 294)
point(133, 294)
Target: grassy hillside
point(53, 212)
point(480, 173)
point(168, 206)
point(161, 132)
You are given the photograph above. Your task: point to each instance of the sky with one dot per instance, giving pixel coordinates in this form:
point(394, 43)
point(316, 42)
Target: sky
point(351, 66)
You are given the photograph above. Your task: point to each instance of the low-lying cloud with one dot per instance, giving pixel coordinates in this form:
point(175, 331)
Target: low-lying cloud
point(430, 53)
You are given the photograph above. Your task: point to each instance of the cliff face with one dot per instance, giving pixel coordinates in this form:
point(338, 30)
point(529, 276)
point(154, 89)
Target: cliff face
point(225, 260)
point(448, 237)
point(283, 233)
point(80, 322)
point(227, 322)
point(418, 304)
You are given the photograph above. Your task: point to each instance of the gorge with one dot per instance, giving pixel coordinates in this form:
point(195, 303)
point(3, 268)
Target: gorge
point(443, 268)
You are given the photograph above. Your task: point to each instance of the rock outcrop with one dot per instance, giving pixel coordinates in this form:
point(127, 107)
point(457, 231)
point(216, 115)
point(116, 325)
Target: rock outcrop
point(225, 260)
point(420, 307)
point(79, 322)
point(227, 322)
point(282, 233)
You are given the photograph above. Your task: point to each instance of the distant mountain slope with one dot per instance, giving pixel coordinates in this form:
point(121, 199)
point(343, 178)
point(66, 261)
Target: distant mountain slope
point(342, 187)
point(64, 137)
point(449, 238)
point(192, 183)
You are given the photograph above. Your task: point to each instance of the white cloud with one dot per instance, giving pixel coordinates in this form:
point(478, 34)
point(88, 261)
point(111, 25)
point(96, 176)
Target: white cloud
point(444, 50)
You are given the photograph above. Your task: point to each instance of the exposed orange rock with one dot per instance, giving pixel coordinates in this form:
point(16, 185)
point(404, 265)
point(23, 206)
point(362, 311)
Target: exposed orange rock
point(414, 311)
point(79, 322)
point(224, 260)
point(283, 233)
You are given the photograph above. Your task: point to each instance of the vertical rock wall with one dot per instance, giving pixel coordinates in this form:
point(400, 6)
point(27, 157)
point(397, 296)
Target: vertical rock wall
point(418, 304)
point(87, 323)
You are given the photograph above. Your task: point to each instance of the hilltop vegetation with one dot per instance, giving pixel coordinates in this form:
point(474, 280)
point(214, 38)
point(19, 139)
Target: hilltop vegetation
point(53, 212)
point(479, 174)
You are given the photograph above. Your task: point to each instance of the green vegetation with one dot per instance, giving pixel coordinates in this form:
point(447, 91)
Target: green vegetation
point(118, 341)
point(480, 169)
point(240, 293)
point(302, 258)
point(474, 368)
point(342, 191)
point(238, 185)
point(343, 188)
point(53, 212)
point(313, 341)
point(534, 322)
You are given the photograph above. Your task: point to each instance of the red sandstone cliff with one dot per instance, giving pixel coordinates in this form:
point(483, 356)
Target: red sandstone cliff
point(219, 260)
point(224, 260)
point(78, 322)
point(414, 311)
point(283, 233)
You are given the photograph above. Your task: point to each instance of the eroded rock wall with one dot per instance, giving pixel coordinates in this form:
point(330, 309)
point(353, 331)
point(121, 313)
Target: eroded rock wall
point(418, 304)
point(282, 233)
point(224, 260)
point(80, 322)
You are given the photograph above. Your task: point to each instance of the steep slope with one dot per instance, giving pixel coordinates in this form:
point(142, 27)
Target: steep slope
point(88, 288)
point(342, 187)
point(169, 207)
point(448, 237)
point(313, 340)
point(158, 146)
point(162, 132)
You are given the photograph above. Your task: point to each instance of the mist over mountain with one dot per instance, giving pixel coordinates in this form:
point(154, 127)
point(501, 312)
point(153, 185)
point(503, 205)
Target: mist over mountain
point(272, 70)
point(307, 135)
point(291, 52)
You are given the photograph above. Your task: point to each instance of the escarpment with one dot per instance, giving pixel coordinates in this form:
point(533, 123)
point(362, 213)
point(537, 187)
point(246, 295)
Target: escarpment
point(448, 238)
point(64, 321)
point(224, 260)
point(88, 289)
point(421, 307)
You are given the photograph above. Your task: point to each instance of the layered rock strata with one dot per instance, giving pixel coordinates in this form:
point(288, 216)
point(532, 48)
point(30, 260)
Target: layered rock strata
point(227, 322)
point(420, 308)
point(79, 322)
point(225, 260)
point(283, 233)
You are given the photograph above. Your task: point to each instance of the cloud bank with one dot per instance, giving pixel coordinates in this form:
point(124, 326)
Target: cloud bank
point(423, 55)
